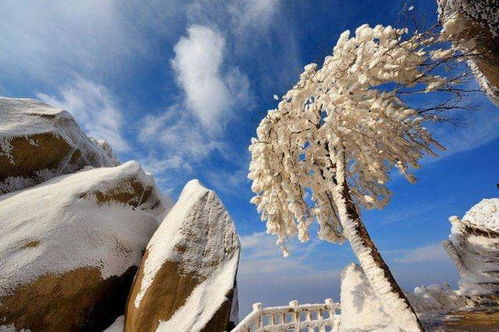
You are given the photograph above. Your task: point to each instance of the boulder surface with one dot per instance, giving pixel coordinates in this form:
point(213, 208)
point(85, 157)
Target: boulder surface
point(70, 246)
point(39, 142)
point(187, 278)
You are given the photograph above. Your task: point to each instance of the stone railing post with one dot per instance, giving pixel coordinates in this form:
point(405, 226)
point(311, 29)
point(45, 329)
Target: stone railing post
point(257, 307)
point(295, 314)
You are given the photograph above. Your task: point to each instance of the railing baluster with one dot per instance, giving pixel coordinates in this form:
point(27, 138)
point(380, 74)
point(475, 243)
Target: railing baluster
point(274, 317)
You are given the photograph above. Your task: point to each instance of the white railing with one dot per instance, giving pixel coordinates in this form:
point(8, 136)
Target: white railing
point(305, 317)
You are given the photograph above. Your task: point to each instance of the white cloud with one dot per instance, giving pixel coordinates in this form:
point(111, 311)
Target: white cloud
point(429, 253)
point(210, 91)
point(94, 109)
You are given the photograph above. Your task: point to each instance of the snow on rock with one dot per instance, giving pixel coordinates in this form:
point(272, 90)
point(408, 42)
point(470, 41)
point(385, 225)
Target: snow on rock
point(117, 326)
point(39, 142)
point(436, 298)
point(360, 308)
point(69, 247)
point(473, 26)
point(186, 280)
point(473, 246)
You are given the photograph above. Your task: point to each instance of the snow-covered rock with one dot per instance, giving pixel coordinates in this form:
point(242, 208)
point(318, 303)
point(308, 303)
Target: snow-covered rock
point(39, 142)
point(473, 25)
point(70, 246)
point(186, 280)
point(436, 298)
point(360, 308)
point(473, 246)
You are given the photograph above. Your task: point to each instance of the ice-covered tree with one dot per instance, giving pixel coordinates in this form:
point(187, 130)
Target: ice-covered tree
point(338, 133)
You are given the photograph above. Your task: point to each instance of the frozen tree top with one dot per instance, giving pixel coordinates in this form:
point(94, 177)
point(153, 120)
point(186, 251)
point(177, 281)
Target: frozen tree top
point(342, 120)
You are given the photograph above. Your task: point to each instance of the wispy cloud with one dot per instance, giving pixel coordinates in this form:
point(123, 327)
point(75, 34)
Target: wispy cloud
point(433, 252)
point(48, 40)
point(175, 139)
point(94, 109)
point(250, 16)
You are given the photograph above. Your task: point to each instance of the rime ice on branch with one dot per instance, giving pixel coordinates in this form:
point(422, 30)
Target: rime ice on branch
point(337, 134)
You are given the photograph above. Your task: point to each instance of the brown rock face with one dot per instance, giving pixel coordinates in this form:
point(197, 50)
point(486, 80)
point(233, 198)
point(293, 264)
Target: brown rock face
point(78, 300)
point(70, 247)
point(186, 279)
point(38, 142)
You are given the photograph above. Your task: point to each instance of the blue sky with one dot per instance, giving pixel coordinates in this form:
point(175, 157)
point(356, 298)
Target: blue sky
point(181, 86)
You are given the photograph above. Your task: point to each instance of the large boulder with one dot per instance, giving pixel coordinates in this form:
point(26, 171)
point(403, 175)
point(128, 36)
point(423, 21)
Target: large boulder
point(70, 246)
point(473, 246)
point(39, 142)
point(187, 278)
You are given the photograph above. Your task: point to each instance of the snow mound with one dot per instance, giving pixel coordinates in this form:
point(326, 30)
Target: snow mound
point(39, 142)
point(84, 231)
point(473, 246)
point(186, 281)
point(360, 308)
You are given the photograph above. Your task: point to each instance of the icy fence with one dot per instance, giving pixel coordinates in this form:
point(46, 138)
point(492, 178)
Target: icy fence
point(306, 317)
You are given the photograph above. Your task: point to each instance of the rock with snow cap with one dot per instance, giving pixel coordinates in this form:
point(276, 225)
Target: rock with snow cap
point(187, 278)
point(473, 246)
point(70, 246)
point(39, 142)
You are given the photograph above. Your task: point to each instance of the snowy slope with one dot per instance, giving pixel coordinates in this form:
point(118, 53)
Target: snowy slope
point(38, 142)
point(94, 218)
point(189, 267)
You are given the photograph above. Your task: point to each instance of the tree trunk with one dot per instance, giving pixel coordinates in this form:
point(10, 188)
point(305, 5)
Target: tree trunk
point(392, 299)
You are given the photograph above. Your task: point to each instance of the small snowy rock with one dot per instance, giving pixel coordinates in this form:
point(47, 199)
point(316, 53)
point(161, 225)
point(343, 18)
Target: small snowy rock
point(39, 142)
point(187, 278)
point(69, 247)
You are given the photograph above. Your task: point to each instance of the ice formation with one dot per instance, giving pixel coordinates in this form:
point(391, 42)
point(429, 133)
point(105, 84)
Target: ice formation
point(473, 246)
